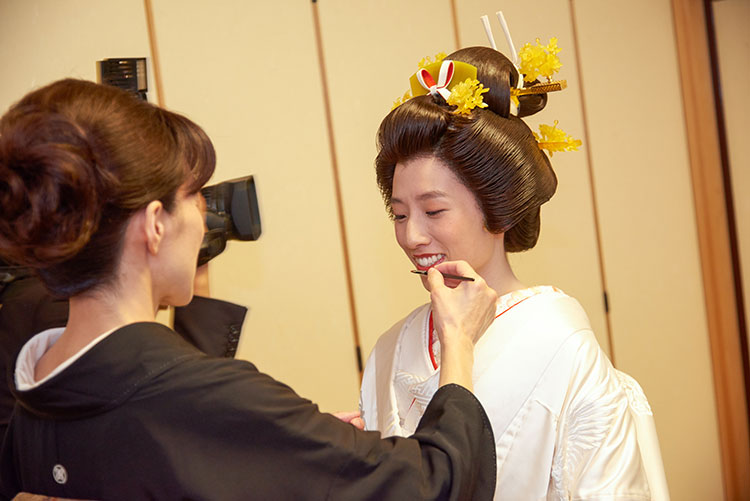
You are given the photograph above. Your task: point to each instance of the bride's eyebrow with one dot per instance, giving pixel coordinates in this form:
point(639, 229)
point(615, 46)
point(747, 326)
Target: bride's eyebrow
point(428, 195)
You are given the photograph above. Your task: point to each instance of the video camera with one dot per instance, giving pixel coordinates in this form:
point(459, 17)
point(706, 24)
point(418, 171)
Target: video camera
point(231, 214)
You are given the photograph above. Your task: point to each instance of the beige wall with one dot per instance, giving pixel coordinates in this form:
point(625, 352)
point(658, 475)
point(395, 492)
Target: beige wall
point(249, 72)
point(649, 239)
point(42, 41)
point(256, 87)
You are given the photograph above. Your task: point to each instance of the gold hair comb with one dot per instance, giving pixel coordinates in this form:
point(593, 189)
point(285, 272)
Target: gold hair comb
point(540, 88)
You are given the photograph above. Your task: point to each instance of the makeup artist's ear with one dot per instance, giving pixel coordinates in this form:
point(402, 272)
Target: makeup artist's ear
point(154, 225)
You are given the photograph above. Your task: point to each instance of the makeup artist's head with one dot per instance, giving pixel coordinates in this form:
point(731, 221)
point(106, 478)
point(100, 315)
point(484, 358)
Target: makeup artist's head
point(78, 163)
point(465, 186)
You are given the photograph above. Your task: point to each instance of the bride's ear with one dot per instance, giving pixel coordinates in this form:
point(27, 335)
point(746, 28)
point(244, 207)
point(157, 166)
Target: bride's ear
point(154, 225)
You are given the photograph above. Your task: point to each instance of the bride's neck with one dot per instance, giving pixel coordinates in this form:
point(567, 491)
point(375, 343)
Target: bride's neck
point(501, 278)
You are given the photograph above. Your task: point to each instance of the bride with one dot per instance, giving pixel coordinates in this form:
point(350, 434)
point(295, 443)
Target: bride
point(469, 186)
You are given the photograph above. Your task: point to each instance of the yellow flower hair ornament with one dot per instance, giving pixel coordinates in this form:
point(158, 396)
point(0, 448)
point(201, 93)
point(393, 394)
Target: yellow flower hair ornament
point(540, 60)
point(427, 60)
point(530, 61)
point(467, 95)
point(398, 102)
point(535, 62)
point(552, 139)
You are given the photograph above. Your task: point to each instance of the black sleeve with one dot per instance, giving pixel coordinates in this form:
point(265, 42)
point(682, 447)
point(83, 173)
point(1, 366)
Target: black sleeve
point(211, 325)
point(269, 438)
point(451, 456)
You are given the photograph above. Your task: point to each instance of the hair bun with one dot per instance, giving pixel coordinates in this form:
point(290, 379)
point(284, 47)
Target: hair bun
point(497, 73)
point(51, 193)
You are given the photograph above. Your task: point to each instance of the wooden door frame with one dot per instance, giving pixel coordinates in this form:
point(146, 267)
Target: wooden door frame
point(712, 219)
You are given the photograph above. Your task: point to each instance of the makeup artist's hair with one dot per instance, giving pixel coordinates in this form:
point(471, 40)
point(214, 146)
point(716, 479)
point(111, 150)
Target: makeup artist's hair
point(493, 153)
point(77, 160)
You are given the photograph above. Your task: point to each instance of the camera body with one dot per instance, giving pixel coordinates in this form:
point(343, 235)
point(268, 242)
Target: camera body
point(231, 207)
point(231, 214)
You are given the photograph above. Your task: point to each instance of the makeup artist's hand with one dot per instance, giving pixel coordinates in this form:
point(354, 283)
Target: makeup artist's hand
point(461, 313)
point(351, 417)
point(461, 307)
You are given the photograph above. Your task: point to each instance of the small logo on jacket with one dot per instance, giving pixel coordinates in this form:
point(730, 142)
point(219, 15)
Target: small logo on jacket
point(60, 474)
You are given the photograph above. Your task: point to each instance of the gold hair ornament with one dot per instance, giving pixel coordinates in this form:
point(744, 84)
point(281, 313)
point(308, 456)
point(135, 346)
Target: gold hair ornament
point(533, 62)
point(542, 61)
point(540, 88)
point(455, 81)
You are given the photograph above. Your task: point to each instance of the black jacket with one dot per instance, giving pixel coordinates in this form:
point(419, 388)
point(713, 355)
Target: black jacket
point(26, 308)
point(144, 415)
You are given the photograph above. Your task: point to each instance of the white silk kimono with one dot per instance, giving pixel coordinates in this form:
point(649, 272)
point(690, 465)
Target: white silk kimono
point(558, 409)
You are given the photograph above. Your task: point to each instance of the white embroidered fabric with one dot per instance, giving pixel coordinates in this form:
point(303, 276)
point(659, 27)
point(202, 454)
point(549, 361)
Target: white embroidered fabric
point(562, 416)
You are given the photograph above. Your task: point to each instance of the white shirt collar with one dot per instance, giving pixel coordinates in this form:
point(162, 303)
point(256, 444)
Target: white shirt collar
point(37, 346)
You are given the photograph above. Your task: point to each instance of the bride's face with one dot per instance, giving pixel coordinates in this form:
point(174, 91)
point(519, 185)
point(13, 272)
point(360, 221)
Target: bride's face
point(437, 218)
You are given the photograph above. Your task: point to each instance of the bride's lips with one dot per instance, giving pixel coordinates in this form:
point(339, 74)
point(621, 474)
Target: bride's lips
point(427, 261)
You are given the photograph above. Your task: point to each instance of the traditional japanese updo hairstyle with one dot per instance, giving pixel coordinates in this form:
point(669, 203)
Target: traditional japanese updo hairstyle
point(77, 160)
point(493, 153)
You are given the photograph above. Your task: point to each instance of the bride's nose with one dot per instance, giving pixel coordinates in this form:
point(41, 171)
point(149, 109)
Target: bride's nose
point(415, 233)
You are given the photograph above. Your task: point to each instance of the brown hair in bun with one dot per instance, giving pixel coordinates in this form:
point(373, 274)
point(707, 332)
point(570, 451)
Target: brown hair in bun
point(77, 160)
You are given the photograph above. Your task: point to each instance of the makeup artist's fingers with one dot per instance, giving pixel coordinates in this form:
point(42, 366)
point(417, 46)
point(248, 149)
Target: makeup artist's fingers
point(466, 309)
point(457, 268)
point(461, 268)
point(434, 278)
point(351, 417)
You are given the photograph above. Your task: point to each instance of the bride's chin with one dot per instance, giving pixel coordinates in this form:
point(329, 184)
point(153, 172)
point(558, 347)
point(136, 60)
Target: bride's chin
point(425, 283)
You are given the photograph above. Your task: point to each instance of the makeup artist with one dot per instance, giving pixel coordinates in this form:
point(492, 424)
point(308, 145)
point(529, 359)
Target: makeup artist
point(99, 193)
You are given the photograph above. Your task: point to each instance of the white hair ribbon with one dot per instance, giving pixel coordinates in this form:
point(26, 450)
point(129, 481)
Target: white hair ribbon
point(444, 78)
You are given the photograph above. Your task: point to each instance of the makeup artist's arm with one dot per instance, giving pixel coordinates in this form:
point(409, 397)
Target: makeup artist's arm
point(462, 311)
